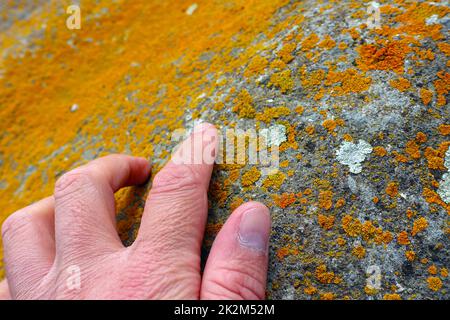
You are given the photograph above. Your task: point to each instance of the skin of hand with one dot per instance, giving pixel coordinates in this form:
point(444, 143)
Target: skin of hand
point(73, 234)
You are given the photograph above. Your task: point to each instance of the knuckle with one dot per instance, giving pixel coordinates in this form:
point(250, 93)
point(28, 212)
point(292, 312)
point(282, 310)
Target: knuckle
point(16, 223)
point(177, 177)
point(237, 283)
point(152, 274)
point(73, 181)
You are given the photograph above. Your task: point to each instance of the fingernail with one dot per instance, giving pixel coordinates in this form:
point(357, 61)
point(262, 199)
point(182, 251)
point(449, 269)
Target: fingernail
point(254, 229)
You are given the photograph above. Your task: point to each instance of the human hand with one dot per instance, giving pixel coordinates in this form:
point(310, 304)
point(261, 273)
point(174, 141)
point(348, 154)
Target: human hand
point(46, 243)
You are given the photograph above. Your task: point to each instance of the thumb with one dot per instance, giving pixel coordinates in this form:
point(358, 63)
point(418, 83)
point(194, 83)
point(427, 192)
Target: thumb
point(237, 264)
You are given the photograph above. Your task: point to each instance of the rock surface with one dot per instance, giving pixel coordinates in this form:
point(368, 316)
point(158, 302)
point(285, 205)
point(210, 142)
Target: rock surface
point(360, 204)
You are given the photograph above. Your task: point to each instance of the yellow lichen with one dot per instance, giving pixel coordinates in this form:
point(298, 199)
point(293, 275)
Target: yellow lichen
point(274, 181)
point(323, 275)
point(282, 80)
point(272, 113)
point(351, 226)
point(250, 177)
point(359, 252)
point(243, 105)
point(256, 66)
point(392, 296)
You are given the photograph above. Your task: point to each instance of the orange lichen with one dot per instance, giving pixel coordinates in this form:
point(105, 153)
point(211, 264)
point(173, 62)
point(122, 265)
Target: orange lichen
point(299, 110)
point(419, 225)
point(432, 197)
point(392, 189)
point(353, 32)
point(410, 213)
point(392, 296)
point(412, 149)
point(342, 46)
point(310, 290)
point(368, 230)
point(272, 113)
point(444, 129)
point(442, 87)
point(326, 199)
point(432, 270)
point(426, 96)
point(236, 203)
point(278, 64)
point(340, 203)
point(346, 82)
point(410, 255)
point(434, 283)
point(327, 296)
point(391, 56)
point(369, 290)
point(380, 151)
point(401, 84)
point(285, 53)
point(403, 239)
point(330, 125)
point(184, 59)
point(212, 229)
point(309, 42)
point(341, 241)
point(327, 43)
point(310, 130)
point(284, 200)
point(383, 237)
point(347, 137)
point(435, 157)
point(421, 137)
point(399, 157)
point(326, 222)
point(283, 252)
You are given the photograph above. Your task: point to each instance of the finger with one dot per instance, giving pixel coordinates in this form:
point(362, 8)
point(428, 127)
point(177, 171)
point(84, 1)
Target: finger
point(4, 291)
point(237, 264)
point(85, 204)
point(29, 244)
point(174, 217)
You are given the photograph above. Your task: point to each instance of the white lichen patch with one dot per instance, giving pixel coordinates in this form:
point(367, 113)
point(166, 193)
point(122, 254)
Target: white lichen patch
point(444, 185)
point(275, 135)
point(74, 108)
point(190, 11)
point(352, 155)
